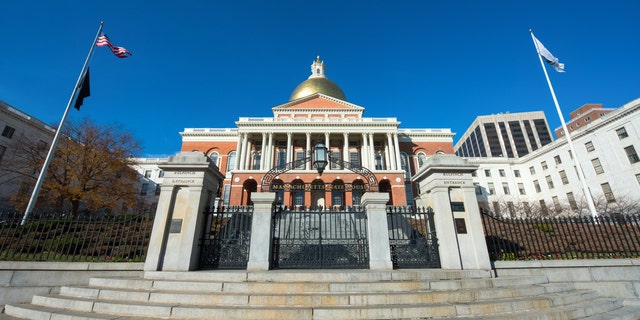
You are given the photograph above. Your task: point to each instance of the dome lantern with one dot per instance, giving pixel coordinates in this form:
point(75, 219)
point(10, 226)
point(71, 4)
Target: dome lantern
point(317, 83)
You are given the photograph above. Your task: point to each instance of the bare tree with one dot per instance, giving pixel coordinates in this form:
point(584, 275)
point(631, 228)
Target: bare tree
point(90, 169)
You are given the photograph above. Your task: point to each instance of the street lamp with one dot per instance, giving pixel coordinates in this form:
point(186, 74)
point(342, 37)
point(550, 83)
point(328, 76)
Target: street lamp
point(320, 160)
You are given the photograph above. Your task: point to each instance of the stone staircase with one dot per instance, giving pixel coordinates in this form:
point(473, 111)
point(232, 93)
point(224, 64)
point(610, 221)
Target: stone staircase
point(323, 294)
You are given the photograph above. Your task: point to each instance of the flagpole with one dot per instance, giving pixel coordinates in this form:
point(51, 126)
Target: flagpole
point(581, 177)
point(47, 160)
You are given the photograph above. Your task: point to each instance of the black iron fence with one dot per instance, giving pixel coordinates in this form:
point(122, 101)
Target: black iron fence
point(59, 237)
point(602, 237)
point(412, 238)
point(226, 238)
point(312, 239)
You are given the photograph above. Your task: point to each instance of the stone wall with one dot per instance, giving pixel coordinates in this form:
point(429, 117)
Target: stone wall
point(618, 278)
point(20, 281)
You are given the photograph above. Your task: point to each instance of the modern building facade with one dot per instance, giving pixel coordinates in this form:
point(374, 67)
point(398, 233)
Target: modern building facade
point(545, 181)
point(509, 135)
point(274, 153)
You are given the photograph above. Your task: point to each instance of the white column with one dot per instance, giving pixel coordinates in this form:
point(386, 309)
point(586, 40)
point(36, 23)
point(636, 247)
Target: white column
point(289, 135)
point(387, 156)
point(391, 151)
point(365, 152)
point(372, 153)
point(396, 147)
point(248, 159)
point(263, 151)
point(269, 160)
point(243, 152)
point(237, 160)
point(345, 147)
point(307, 166)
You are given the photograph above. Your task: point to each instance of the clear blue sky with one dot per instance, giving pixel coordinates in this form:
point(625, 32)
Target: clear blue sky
point(431, 64)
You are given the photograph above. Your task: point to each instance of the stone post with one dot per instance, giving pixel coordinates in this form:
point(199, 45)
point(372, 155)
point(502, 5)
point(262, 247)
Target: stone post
point(190, 183)
point(260, 246)
point(447, 186)
point(378, 231)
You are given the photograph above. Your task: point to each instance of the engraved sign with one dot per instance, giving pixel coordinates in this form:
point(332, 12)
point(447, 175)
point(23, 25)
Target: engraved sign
point(176, 226)
point(457, 206)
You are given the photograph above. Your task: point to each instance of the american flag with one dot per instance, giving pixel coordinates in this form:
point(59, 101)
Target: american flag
point(120, 52)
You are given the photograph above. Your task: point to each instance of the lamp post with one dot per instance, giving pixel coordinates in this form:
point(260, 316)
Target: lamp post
point(320, 160)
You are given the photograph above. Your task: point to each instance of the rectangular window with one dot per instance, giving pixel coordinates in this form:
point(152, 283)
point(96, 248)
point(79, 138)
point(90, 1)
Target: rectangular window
point(160, 174)
point(496, 208)
point(516, 173)
point(336, 157)
point(8, 132)
point(544, 165)
point(631, 154)
point(300, 159)
point(491, 189)
point(563, 177)
point(527, 208)
point(608, 194)
point(282, 157)
point(144, 188)
point(532, 170)
point(556, 204)
point(536, 185)
point(638, 177)
point(478, 189)
point(622, 133)
point(543, 208)
point(487, 173)
point(505, 188)
point(521, 188)
point(257, 158)
point(549, 182)
point(147, 174)
point(226, 195)
point(597, 166)
point(557, 159)
point(2, 150)
point(354, 158)
point(511, 208)
point(474, 174)
point(501, 171)
point(572, 201)
point(589, 146)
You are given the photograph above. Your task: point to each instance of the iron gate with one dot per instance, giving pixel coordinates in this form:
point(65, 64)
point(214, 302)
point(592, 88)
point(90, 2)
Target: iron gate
point(320, 239)
point(412, 238)
point(226, 238)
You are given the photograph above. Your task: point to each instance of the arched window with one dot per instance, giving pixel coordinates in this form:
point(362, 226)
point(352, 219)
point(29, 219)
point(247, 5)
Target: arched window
point(357, 192)
point(404, 163)
point(214, 156)
point(231, 161)
point(422, 159)
point(337, 194)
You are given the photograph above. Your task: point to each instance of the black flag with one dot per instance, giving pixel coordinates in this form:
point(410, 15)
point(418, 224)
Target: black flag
point(85, 90)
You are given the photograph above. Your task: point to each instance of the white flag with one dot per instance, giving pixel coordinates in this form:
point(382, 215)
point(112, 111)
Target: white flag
point(546, 54)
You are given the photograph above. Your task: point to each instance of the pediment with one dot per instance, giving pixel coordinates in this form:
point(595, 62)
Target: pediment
point(318, 101)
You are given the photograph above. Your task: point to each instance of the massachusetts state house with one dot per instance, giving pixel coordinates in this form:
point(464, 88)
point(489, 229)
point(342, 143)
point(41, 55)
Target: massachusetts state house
point(276, 154)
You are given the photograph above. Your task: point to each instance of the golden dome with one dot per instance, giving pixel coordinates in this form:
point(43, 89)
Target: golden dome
point(317, 83)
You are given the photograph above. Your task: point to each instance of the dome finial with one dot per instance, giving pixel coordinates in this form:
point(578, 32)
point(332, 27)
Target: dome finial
point(317, 68)
point(317, 83)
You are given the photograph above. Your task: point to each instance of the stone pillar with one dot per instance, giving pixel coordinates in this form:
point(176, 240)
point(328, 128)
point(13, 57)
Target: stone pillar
point(263, 152)
point(260, 246)
point(289, 147)
point(378, 230)
point(190, 182)
point(447, 187)
point(307, 165)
